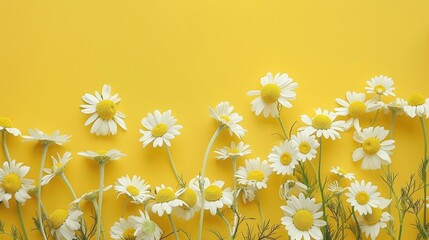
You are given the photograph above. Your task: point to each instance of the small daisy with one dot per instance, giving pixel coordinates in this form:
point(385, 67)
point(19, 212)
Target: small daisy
point(146, 229)
point(13, 183)
point(6, 125)
point(248, 193)
point(417, 106)
point(57, 167)
point(103, 110)
point(323, 124)
point(396, 106)
point(90, 196)
point(302, 218)
point(284, 157)
point(135, 188)
point(215, 197)
point(335, 187)
point(373, 150)
point(371, 223)
point(37, 135)
point(165, 200)
point(64, 223)
point(235, 151)
point(380, 85)
point(226, 118)
point(102, 156)
point(160, 129)
point(277, 90)
point(342, 174)
point(363, 197)
point(123, 230)
point(354, 106)
point(307, 145)
point(291, 187)
point(255, 173)
point(192, 200)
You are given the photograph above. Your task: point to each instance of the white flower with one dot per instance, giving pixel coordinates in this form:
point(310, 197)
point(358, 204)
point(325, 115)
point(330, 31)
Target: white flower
point(417, 106)
point(277, 90)
point(396, 106)
point(215, 197)
point(371, 223)
point(13, 183)
point(103, 110)
point(37, 135)
point(307, 145)
point(90, 196)
point(226, 118)
point(123, 229)
point(373, 150)
point(341, 173)
point(192, 200)
point(135, 188)
point(64, 223)
point(248, 193)
point(7, 125)
point(284, 157)
point(380, 85)
point(363, 197)
point(291, 187)
point(335, 187)
point(165, 200)
point(302, 218)
point(236, 150)
point(255, 173)
point(102, 156)
point(146, 229)
point(57, 167)
point(322, 124)
point(160, 129)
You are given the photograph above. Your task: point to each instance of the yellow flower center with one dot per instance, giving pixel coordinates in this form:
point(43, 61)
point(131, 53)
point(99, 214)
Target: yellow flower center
point(379, 89)
point(270, 93)
point(58, 165)
point(58, 217)
point(129, 234)
point(225, 118)
point(286, 178)
point(303, 220)
point(189, 196)
point(371, 145)
point(344, 182)
point(341, 171)
point(416, 99)
point(106, 109)
point(165, 195)
point(285, 159)
point(357, 109)
point(256, 175)
point(372, 218)
point(304, 147)
point(5, 122)
point(362, 198)
point(212, 193)
point(101, 152)
point(159, 130)
point(133, 190)
point(321, 122)
point(11, 183)
point(233, 151)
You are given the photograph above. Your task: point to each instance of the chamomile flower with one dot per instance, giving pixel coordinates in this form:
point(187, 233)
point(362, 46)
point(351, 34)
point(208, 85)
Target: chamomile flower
point(248, 193)
point(380, 85)
point(418, 105)
point(342, 174)
point(307, 145)
point(165, 200)
point(371, 223)
point(374, 149)
point(37, 135)
point(224, 114)
point(104, 113)
point(284, 157)
point(291, 187)
point(354, 106)
point(302, 218)
point(215, 196)
point(64, 223)
point(275, 90)
point(136, 189)
point(103, 156)
point(146, 229)
point(160, 128)
point(255, 173)
point(397, 106)
point(90, 196)
point(192, 200)
point(13, 183)
point(363, 197)
point(57, 167)
point(123, 229)
point(7, 125)
point(323, 124)
point(236, 150)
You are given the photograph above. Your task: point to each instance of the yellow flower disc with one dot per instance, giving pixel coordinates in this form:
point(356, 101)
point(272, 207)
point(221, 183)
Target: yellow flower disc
point(58, 217)
point(321, 122)
point(106, 109)
point(286, 158)
point(304, 147)
point(303, 220)
point(416, 99)
point(371, 145)
point(129, 234)
point(362, 198)
point(165, 195)
point(225, 118)
point(159, 130)
point(5, 122)
point(11, 183)
point(133, 190)
point(270, 93)
point(357, 109)
point(256, 175)
point(374, 217)
point(212, 193)
point(379, 89)
point(189, 196)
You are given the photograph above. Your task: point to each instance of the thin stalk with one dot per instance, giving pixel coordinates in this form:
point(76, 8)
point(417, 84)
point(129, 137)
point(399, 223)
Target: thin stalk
point(179, 180)
point(6, 151)
point(376, 114)
point(69, 186)
point(357, 224)
point(425, 160)
point(21, 219)
point(392, 124)
point(319, 180)
point(173, 226)
point(234, 169)
point(283, 128)
point(226, 223)
point(125, 206)
point(39, 190)
point(100, 200)
point(259, 207)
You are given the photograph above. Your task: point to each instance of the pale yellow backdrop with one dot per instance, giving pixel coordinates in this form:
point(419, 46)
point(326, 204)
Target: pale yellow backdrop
point(186, 56)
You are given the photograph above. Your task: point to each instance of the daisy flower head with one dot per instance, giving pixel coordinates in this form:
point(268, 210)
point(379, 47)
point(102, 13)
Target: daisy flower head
point(284, 157)
point(160, 128)
point(418, 105)
point(7, 125)
point(323, 124)
point(102, 156)
point(43, 138)
point(104, 113)
point(301, 218)
point(123, 229)
point(146, 229)
point(224, 114)
point(397, 106)
point(275, 90)
point(341, 177)
point(90, 196)
point(165, 200)
point(232, 152)
point(248, 193)
point(371, 223)
point(255, 173)
point(64, 223)
point(307, 145)
point(215, 197)
point(335, 187)
point(58, 166)
point(363, 197)
point(291, 187)
point(13, 183)
point(380, 85)
point(192, 200)
point(136, 188)
point(374, 149)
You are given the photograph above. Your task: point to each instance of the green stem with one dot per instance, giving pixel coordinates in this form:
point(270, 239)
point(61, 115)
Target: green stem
point(21, 219)
point(226, 223)
point(425, 160)
point(319, 180)
point(235, 208)
point(69, 186)
point(173, 226)
point(179, 180)
point(125, 206)
point(392, 124)
point(6, 151)
point(283, 128)
point(376, 114)
point(100, 200)
point(259, 207)
point(357, 224)
point(39, 190)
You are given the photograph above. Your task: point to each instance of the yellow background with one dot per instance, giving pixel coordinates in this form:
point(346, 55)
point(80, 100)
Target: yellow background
point(186, 56)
